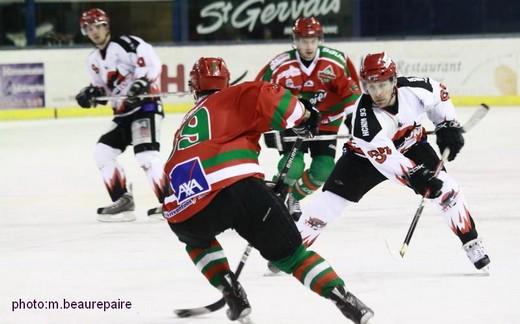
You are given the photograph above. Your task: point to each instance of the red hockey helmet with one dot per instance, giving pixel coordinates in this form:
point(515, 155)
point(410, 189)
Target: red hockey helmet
point(377, 67)
point(307, 27)
point(93, 17)
point(209, 73)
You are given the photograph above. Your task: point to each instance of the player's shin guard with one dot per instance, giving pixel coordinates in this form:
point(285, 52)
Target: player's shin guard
point(315, 273)
point(453, 207)
point(212, 262)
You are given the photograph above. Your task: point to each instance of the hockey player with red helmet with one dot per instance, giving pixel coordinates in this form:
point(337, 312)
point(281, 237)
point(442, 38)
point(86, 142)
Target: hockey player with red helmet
point(327, 78)
point(216, 183)
point(124, 65)
point(390, 143)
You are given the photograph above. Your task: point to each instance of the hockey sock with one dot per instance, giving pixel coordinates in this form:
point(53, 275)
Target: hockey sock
point(152, 165)
point(453, 207)
point(305, 186)
point(116, 183)
point(112, 173)
point(313, 178)
point(311, 270)
point(296, 169)
point(212, 262)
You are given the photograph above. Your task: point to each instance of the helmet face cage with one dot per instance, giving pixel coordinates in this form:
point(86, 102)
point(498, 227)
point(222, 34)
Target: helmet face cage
point(92, 17)
point(209, 73)
point(377, 67)
point(307, 27)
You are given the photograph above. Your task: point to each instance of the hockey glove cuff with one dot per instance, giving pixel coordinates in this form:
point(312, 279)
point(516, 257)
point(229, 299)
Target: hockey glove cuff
point(424, 182)
point(274, 139)
point(309, 126)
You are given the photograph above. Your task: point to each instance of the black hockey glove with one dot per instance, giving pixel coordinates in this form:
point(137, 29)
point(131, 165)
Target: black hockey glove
point(449, 135)
point(310, 125)
point(86, 98)
point(139, 87)
point(274, 139)
point(424, 182)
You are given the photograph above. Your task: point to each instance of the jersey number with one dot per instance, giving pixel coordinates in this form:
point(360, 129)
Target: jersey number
point(195, 130)
point(380, 154)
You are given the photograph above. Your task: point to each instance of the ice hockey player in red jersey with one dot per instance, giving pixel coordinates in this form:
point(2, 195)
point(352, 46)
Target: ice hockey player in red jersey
point(124, 65)
point(216, 183)
point(389, 142)
point(327, 78)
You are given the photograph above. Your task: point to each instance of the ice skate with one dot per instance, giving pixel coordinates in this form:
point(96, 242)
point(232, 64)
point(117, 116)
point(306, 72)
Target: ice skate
point(235, 297)
point(155, 214)
point(351, 306)
point(293, 205)
point(122, 210)
point(477, 254)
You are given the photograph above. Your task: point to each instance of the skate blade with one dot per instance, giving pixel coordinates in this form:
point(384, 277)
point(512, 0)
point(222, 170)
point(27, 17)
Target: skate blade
point(128, 216)
point(485, 271)
point(244, 317)
point(367, 318)
point(269, 273)
point(156, 219)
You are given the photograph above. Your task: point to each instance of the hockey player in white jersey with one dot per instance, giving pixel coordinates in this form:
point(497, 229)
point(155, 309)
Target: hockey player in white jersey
point(389, 142)
point(124, 65)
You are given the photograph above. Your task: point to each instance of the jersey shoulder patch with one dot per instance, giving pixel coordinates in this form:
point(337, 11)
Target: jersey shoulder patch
point(415, 82)
point(128, 43)
point(366, 126)
point(333, 54)
point(279, 59)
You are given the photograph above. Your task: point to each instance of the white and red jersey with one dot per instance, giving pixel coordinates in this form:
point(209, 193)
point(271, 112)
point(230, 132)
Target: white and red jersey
point(383, 134)
point(124, 60)
point(217, 143)
point(330, 81)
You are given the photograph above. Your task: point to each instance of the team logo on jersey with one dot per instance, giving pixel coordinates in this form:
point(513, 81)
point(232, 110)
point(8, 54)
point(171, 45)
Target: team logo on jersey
point(189, 180)
point(327, 74)
point(289, 83)
point(308, 83)
point(95, 68)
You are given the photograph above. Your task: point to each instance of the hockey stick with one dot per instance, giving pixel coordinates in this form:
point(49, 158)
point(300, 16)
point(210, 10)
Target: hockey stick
point(419, 210)
point(472, 121)
point(189, 312)
point(162, 94)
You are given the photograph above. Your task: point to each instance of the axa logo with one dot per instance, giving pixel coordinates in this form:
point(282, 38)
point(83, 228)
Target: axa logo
point(190, 188)
point(188, 180)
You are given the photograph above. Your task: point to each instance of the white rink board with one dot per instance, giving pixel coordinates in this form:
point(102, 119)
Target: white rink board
point(52, 248)
point(469, 67)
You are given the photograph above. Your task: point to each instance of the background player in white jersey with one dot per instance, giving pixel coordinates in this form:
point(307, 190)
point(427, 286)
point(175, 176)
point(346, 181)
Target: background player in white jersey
point(389, 142)
point(124, 65)
point(327, 78)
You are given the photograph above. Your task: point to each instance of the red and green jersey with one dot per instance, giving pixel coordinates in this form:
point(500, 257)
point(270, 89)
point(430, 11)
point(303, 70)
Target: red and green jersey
point(330, 82)
point(217, 143)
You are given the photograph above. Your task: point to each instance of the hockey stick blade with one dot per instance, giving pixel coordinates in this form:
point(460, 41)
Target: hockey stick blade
point(189, 312)
point(477, 116)
point(237, 80)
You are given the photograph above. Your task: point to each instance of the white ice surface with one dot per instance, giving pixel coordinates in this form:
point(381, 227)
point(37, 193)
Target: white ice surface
point(52, 248)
